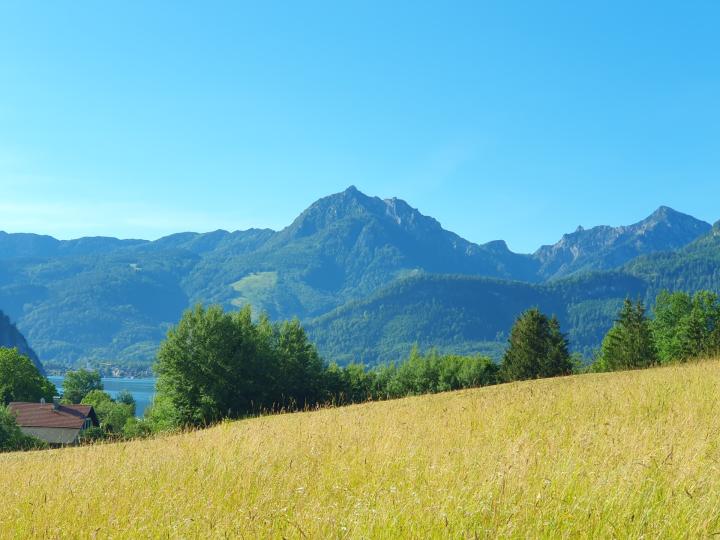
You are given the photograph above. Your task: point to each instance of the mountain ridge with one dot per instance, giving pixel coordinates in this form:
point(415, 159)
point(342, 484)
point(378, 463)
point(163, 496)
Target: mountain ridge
point(606, 247)
point(106, 299)
point(395, 208)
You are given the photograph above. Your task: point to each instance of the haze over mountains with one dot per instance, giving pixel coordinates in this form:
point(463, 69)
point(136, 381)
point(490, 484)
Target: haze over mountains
point(370, 277)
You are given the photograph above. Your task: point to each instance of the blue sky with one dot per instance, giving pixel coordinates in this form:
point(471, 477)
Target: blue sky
point(513, 120)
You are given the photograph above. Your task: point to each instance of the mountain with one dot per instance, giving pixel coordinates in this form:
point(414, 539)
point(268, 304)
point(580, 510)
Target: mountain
point(110, 302)
point(692, 267)
point(347, 245)
point(10, 337)
point(20, 245)
point(603, 248)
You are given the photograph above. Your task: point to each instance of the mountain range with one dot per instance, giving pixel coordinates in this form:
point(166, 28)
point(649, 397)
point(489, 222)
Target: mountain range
point(368, 277)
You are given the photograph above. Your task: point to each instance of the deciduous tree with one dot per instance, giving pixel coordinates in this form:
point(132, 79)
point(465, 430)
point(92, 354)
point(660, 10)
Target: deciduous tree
point(20, 380)
point(78, 384)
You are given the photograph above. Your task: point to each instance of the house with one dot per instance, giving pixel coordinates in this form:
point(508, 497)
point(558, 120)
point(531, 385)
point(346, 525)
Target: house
point(52, 422)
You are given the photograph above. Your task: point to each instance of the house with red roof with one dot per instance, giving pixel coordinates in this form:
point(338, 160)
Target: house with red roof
point(54, 423)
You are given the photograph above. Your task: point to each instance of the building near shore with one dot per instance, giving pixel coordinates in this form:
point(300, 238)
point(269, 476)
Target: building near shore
point(54, 423)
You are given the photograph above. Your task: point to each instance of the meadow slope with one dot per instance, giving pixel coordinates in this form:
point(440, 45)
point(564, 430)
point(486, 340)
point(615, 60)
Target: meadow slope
point(626, 454)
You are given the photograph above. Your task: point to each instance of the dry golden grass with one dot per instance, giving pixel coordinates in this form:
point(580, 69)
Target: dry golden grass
point(633, 454)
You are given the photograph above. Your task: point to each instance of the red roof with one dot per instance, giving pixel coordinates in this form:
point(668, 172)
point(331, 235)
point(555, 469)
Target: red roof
point(45, 415)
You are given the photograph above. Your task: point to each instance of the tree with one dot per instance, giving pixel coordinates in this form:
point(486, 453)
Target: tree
point(629, 344)
point(20, 380)
point(558, 360)
point(115, 415)
point(298, 365)
point(686, 327)
point(162, 414)
point(126, 398)
point(96, 398)
point(112, 415)
point(536, 348)
point(477, 371)
point(80, 383)
point(216, 365)
point(357, 383)
point(670, 311)
point(136, 428)
point(211, 366)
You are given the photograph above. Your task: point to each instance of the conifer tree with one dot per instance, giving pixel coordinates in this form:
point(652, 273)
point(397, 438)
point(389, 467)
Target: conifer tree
point(686, 326)
point(558, 361)
point(629, 344)
point(536, 348)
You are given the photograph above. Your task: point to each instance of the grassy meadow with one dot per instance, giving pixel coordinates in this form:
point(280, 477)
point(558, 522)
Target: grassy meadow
point(625, 454)
point(255, 288)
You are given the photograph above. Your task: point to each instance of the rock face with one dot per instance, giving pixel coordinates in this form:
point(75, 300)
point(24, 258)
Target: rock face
point(601, 248)
point(12, 338)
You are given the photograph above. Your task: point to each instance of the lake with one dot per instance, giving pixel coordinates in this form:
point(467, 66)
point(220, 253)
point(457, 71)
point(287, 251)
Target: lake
point(142, 390)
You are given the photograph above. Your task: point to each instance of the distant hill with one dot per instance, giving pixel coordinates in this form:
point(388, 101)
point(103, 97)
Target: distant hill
point(10, 337)
point(467, 314)
point(28, 246)
point(111, 300)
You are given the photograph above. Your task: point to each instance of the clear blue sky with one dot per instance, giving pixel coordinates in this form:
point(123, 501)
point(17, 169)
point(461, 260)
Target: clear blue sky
point(501, 120)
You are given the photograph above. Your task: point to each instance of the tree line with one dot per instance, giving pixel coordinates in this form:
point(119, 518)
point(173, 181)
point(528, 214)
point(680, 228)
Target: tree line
point(684, 327)
point(215, 365)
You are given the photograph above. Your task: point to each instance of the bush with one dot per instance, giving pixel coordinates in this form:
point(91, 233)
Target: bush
point(112, 415)
point(11, 438)
point(92, 434)
point(136, 428)
point(418, 374)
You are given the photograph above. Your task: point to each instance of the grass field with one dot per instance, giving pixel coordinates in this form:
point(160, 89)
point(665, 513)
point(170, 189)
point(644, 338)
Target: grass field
point(632, 454)
point(254, 289)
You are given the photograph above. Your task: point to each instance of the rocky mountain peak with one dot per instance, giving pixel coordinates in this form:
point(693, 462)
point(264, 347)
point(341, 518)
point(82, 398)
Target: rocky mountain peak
point(604, 247)
point(497, 246)
point(355, 205)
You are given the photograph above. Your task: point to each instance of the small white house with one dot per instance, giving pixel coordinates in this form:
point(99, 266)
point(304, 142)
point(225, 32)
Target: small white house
point(52, 422)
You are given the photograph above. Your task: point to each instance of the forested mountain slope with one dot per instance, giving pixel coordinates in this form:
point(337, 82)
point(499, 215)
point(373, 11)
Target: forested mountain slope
point(12, 338)
point(467, 314)
point(110, 300)
point(695, 266)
